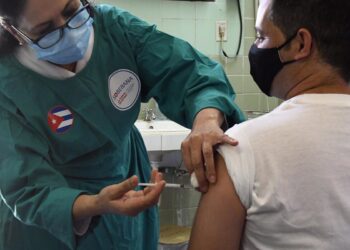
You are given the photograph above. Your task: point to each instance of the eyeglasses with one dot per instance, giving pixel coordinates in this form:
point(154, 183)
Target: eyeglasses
point(52, 37)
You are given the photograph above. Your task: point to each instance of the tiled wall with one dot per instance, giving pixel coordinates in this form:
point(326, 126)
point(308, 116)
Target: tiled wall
point(195, 22)
point(178, 206)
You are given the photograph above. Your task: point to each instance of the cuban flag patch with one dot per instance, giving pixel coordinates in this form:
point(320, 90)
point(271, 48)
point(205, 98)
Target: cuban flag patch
point(60, 119)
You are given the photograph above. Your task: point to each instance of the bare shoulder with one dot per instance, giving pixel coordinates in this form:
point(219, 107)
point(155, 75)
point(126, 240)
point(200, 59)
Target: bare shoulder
point(220, 210)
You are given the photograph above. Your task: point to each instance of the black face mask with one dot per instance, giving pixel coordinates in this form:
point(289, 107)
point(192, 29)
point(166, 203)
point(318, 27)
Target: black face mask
point(265, 65)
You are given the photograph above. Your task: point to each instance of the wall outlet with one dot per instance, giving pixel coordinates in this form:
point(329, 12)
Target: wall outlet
point(221, 31)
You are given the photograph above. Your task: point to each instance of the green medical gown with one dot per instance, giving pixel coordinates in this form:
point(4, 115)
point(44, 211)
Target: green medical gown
point(62, 138)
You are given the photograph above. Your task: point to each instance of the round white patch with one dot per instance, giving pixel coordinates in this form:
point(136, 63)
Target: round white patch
point(124, 89)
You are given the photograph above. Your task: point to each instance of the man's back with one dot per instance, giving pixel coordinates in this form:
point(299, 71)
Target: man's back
point(292, 174)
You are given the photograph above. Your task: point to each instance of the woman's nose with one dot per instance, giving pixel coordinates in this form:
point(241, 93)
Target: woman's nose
point(60, 21)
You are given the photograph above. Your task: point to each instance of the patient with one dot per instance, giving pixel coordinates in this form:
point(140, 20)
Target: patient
point(287, 184)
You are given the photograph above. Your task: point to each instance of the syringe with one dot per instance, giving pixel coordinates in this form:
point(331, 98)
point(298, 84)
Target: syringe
point(167, 185)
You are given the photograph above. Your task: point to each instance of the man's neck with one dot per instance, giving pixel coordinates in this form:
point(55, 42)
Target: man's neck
point(323, 88)
point(321, 81)
point(327, 89)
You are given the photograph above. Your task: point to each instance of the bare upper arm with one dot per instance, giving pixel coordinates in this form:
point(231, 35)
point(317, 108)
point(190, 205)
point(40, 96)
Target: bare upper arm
point(220, 216)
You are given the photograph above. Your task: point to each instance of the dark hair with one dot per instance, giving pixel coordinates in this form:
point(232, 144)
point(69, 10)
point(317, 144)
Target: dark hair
point(10, 11)
point(328, 22)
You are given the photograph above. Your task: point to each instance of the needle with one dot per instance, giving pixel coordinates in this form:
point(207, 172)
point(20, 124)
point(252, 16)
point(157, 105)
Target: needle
point(168, 185)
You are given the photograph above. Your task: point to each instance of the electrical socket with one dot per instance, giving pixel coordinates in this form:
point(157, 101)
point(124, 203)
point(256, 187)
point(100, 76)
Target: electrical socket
point(221, 27)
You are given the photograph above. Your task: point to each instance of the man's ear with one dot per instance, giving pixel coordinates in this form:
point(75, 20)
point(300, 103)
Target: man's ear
point(304, 47)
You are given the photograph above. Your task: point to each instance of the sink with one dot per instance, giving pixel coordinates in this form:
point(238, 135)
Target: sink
point(162, 135)
point(160, 126)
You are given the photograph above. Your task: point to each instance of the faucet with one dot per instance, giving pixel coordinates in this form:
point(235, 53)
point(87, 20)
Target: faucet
point(150, 115)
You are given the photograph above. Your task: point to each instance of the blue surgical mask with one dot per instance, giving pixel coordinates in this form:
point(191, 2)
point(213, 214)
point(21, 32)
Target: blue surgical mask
point(71, 48)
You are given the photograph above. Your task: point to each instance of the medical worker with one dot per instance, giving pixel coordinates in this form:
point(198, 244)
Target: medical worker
point(72, 77)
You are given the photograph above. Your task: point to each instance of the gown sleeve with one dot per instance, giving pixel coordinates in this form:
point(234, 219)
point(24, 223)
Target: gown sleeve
point(36, 193)
point(181, 79)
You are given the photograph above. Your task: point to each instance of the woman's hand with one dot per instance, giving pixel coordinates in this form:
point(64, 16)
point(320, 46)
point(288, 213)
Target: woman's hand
point(122, 199)
point(119, 198)
point(198, 147)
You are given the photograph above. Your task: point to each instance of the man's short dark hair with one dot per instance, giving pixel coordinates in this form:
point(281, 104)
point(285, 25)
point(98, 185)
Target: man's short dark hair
point(328, 22)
